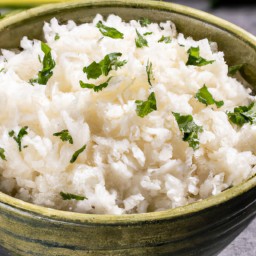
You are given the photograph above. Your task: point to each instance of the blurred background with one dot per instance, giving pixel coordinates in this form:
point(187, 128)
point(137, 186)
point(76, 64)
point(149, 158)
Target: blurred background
point(239, 12)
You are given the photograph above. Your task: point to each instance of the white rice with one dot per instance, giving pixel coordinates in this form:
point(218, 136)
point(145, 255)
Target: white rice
point(130, 164)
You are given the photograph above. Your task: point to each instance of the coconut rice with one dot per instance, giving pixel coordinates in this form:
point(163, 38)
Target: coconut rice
point(123, 162)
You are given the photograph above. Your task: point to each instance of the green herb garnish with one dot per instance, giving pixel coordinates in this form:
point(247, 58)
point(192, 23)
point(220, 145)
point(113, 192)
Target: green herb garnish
point(2, 154)
point(147, 33)
point(21, 134)
point(1, 70)
point(64, 136)
point(68, 196)
point(77, 153)
point(57, 37)
point(243, 115)
point(233, 69)
point(149, 72)
point(109, 32)
point(195, 59)
point(144, 22)
point(205, 97)
point(140, 41)
point(110, 62)
point(146, 107)
point(96, 88)
point(48, 65)
point(189, 128)
point(165, 39)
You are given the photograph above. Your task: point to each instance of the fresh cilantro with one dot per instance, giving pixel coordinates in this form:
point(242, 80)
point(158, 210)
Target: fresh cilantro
point(96, 88)
point(77, 153)
point(140, 41)
point(68, 196)
point(243, 115)
point(195, 59)
point(149, 72)
point(144, 22)
point(165, 39)
point(233, 69)
point(110, 62)
point(21, 134)
point(64, 136)
point(109, 32)
point(147, 33)
point(205, 97)
point(189, 128)
point(146, 107)
point(48, 65)
point(57, 37)
point(2, 154)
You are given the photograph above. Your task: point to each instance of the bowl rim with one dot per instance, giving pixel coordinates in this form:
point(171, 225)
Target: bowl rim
point(29, 209)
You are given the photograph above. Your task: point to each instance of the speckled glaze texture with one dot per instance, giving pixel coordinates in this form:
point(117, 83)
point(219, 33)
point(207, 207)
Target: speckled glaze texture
point(202, 229)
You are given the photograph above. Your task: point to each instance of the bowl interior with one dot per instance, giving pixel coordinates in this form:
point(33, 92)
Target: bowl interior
point(238, 46)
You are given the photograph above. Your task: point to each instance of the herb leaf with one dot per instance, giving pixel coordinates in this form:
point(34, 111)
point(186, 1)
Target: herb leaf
point(21, 134)
point(243, 115)
point(195, 59)
point(149, 72)
point(57, 37)
point(77, 153)
point(48, 65)
point(233, 69)
point(205, 97)
point(165, 39)
point(64, 136)
point(147, 33)
point(2, 154)
point(144, 22)
point(96, 88)
point(68, 196)
point(189, 128)
point(108, 63)
point(140, 41)
point(146, 107)
point(109, 32)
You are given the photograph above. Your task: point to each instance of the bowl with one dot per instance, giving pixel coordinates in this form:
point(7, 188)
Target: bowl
point(203, 228)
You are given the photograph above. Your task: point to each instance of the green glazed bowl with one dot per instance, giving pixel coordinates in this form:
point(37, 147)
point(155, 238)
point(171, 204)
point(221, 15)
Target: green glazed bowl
point(203, 228)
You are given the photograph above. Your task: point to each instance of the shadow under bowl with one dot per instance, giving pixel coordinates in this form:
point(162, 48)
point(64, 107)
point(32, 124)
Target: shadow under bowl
point(203, 228)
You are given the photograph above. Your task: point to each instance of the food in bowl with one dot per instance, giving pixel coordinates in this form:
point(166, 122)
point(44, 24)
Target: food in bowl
point(114, 118)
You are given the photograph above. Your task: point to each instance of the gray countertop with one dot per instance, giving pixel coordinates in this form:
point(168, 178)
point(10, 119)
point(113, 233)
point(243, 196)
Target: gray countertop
point(245, 17)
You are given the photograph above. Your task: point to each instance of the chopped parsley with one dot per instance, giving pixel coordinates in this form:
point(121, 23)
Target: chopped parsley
point(140, 41)
point(243, 115)
point(149, 72)
point(48, 65)
point(165, 39)
point(189, 128)
point(195, 59)
point(77, 153)
point(64, 136)
point(96, 88)
point(68, 196)
point(21, 134)
point(2, 154)
point(144, 22)
point(147, 33)
point(146, 107)
point(109, 32)
point(233, 69)
point(57, 37)
point(108, 63)
point(205, 97)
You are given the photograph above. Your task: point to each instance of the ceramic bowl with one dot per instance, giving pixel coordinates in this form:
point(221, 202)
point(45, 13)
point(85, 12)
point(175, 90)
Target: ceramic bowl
point(203, 228)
